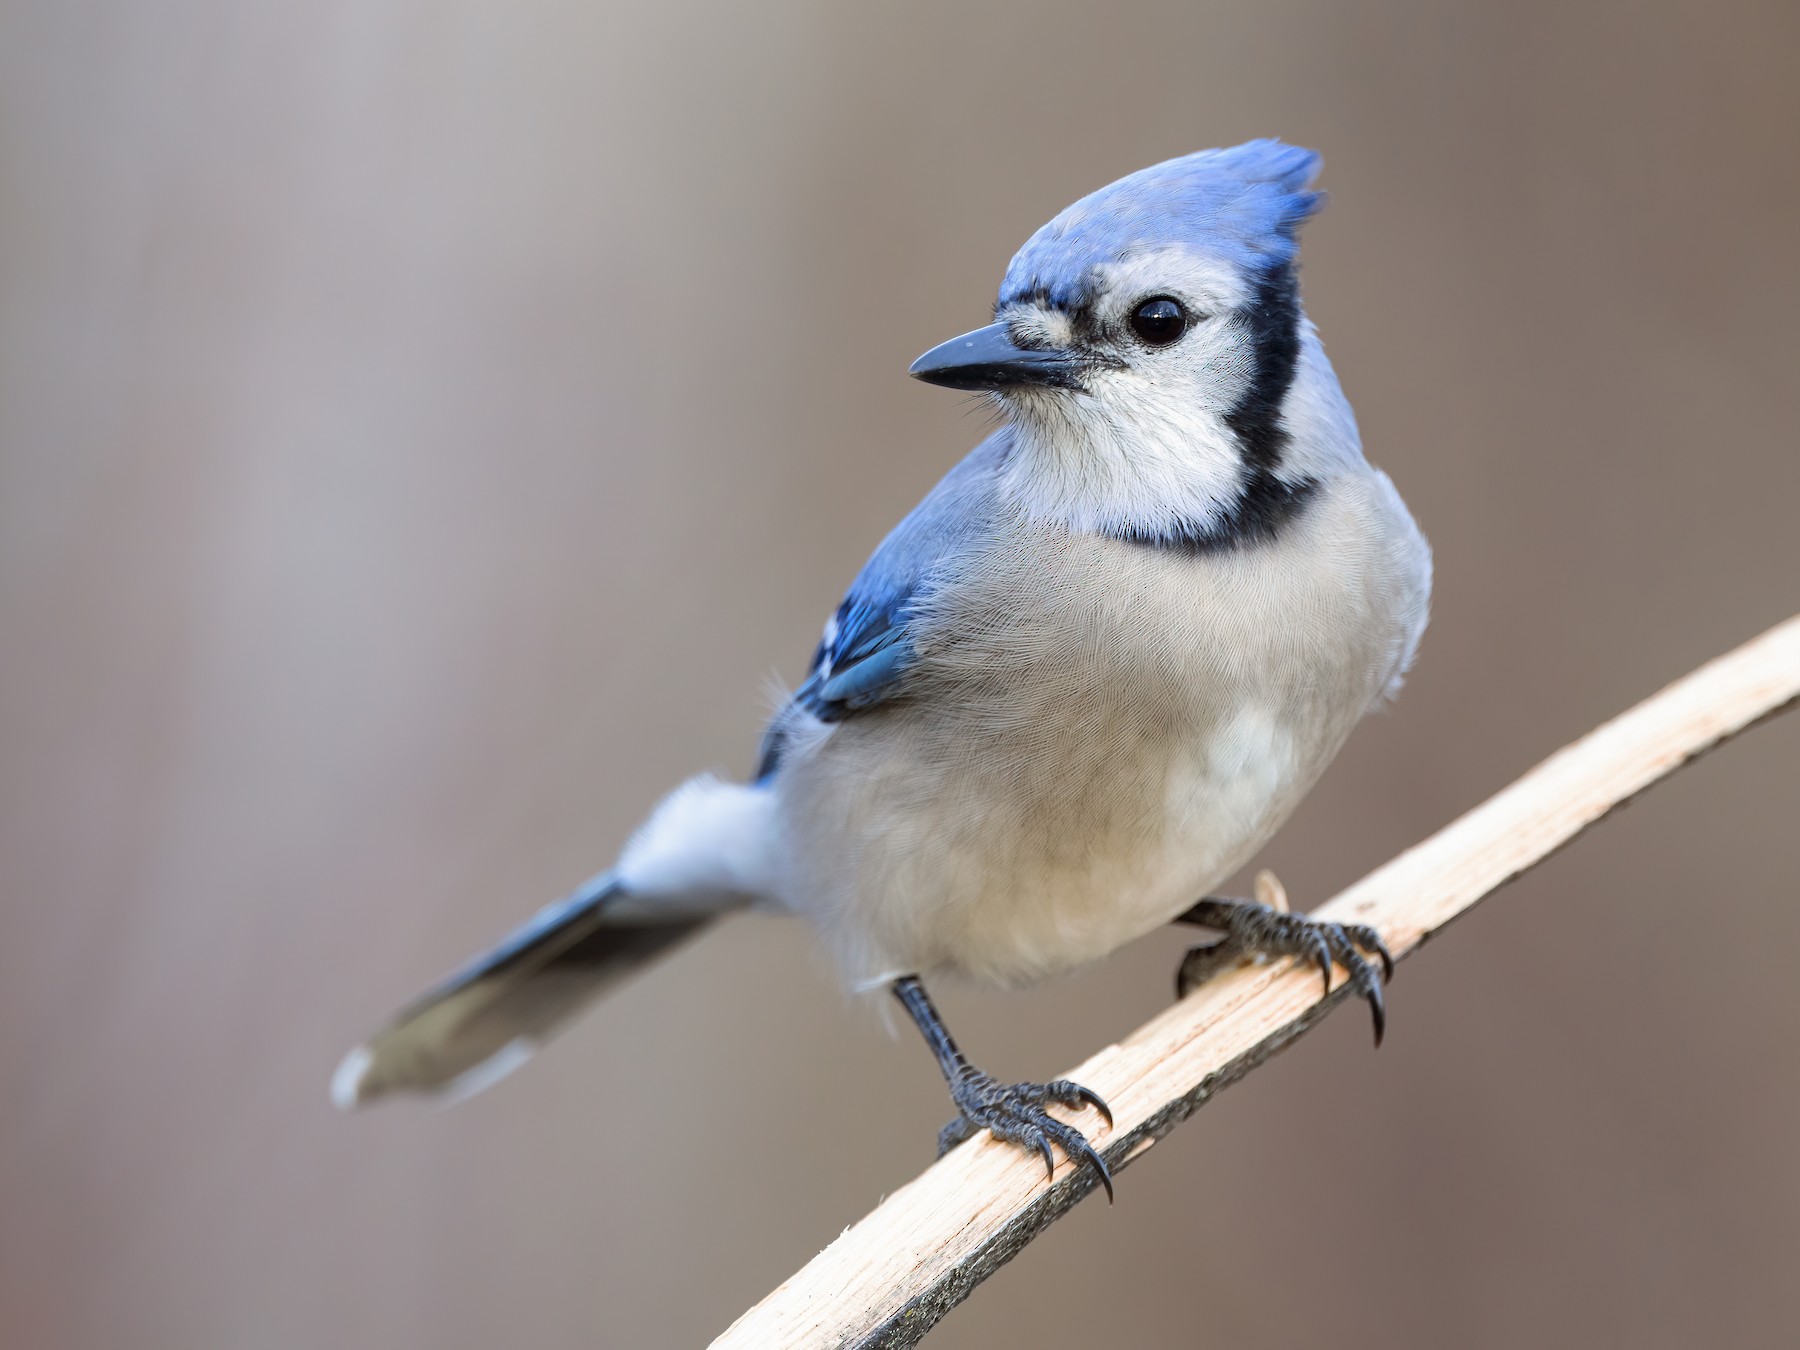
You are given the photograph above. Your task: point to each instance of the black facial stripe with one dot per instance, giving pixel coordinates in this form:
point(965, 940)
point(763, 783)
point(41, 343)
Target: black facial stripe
point(1272, 321)
point(1258, 516)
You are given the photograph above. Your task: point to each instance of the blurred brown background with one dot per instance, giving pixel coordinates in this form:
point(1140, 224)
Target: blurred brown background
point(424, 428)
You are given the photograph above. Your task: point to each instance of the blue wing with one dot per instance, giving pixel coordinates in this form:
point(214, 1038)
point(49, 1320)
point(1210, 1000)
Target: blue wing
point(867, 649)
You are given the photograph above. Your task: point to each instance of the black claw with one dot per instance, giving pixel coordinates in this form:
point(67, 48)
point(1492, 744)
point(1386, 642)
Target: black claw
point(1075, 1144)
point(1012, 1113)
point(1387, 957)
point(1251, 927)
point(1016, 1115)
point(1346, 943)
point(1091, 1098)
point(1368, 940)
point(1095, 1161)
point(1377, 1009)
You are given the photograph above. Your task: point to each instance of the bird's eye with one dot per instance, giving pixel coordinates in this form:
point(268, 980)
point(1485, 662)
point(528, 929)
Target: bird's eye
point(1160, 321)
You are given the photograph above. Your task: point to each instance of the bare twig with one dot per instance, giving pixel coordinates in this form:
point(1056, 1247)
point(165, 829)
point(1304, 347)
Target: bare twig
point(890, 1278)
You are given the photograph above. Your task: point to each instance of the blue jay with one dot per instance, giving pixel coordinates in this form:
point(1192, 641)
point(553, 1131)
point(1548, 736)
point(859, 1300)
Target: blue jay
point(1078, 686)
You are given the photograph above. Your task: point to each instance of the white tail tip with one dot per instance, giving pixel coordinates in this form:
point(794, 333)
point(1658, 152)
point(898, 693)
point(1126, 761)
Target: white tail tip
point(352, 1073)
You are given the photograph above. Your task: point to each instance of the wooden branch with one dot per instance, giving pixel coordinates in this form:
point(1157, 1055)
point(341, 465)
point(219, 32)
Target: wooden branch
point(890, 1278)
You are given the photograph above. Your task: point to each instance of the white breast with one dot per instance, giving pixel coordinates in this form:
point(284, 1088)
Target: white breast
point(1101, 733)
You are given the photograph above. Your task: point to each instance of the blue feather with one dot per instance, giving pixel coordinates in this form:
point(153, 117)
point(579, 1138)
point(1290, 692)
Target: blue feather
point(1243, 205)
point(868, 649)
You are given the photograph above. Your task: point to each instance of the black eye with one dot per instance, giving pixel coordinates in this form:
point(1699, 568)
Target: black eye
point(1160, 321)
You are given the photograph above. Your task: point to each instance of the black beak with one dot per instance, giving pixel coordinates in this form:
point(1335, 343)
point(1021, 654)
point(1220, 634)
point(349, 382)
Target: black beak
point(989, 359)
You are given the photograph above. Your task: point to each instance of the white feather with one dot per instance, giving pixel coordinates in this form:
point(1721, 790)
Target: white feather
point(352, 1073)
point(1145, 446)
point(707, 846)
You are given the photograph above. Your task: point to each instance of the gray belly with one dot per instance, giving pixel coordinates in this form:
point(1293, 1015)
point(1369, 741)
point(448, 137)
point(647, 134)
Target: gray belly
point(1092, 742)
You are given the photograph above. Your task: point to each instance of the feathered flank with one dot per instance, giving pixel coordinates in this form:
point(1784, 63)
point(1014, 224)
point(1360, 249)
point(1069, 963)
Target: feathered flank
point(1244, 205)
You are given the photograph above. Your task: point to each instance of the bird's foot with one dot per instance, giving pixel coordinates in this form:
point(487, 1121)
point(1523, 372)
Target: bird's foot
point(1265, 929)
point(1015, 1112)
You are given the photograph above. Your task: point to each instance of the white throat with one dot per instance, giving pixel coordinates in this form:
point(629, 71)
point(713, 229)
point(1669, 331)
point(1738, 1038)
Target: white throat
point(1123, 460)
point(1148, 459)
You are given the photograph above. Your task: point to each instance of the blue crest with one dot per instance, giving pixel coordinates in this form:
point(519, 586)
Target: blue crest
point(1243, 204)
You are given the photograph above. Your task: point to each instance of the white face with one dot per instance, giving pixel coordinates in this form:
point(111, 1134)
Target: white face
point(1142, 446)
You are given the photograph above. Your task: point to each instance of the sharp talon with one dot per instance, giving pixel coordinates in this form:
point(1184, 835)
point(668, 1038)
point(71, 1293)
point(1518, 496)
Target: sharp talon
point(1095, 1100)
point(1015, 1115)
point(1011, 1113)
point(1095, 1161)
point(1253, 929)
point(1387, 959)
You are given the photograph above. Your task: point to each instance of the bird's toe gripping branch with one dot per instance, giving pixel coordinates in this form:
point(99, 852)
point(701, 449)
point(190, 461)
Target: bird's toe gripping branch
point(1015, 1112)
point(1010, 1111)
point(1253, 928)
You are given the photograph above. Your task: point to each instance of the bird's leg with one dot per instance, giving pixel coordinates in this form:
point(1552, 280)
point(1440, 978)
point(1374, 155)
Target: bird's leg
point(1263, 927)
point(1010, 1111)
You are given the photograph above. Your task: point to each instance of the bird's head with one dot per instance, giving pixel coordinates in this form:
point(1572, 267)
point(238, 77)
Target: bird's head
point(1146, 346)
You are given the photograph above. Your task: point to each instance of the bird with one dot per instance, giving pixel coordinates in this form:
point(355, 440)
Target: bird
point(1077, 688)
